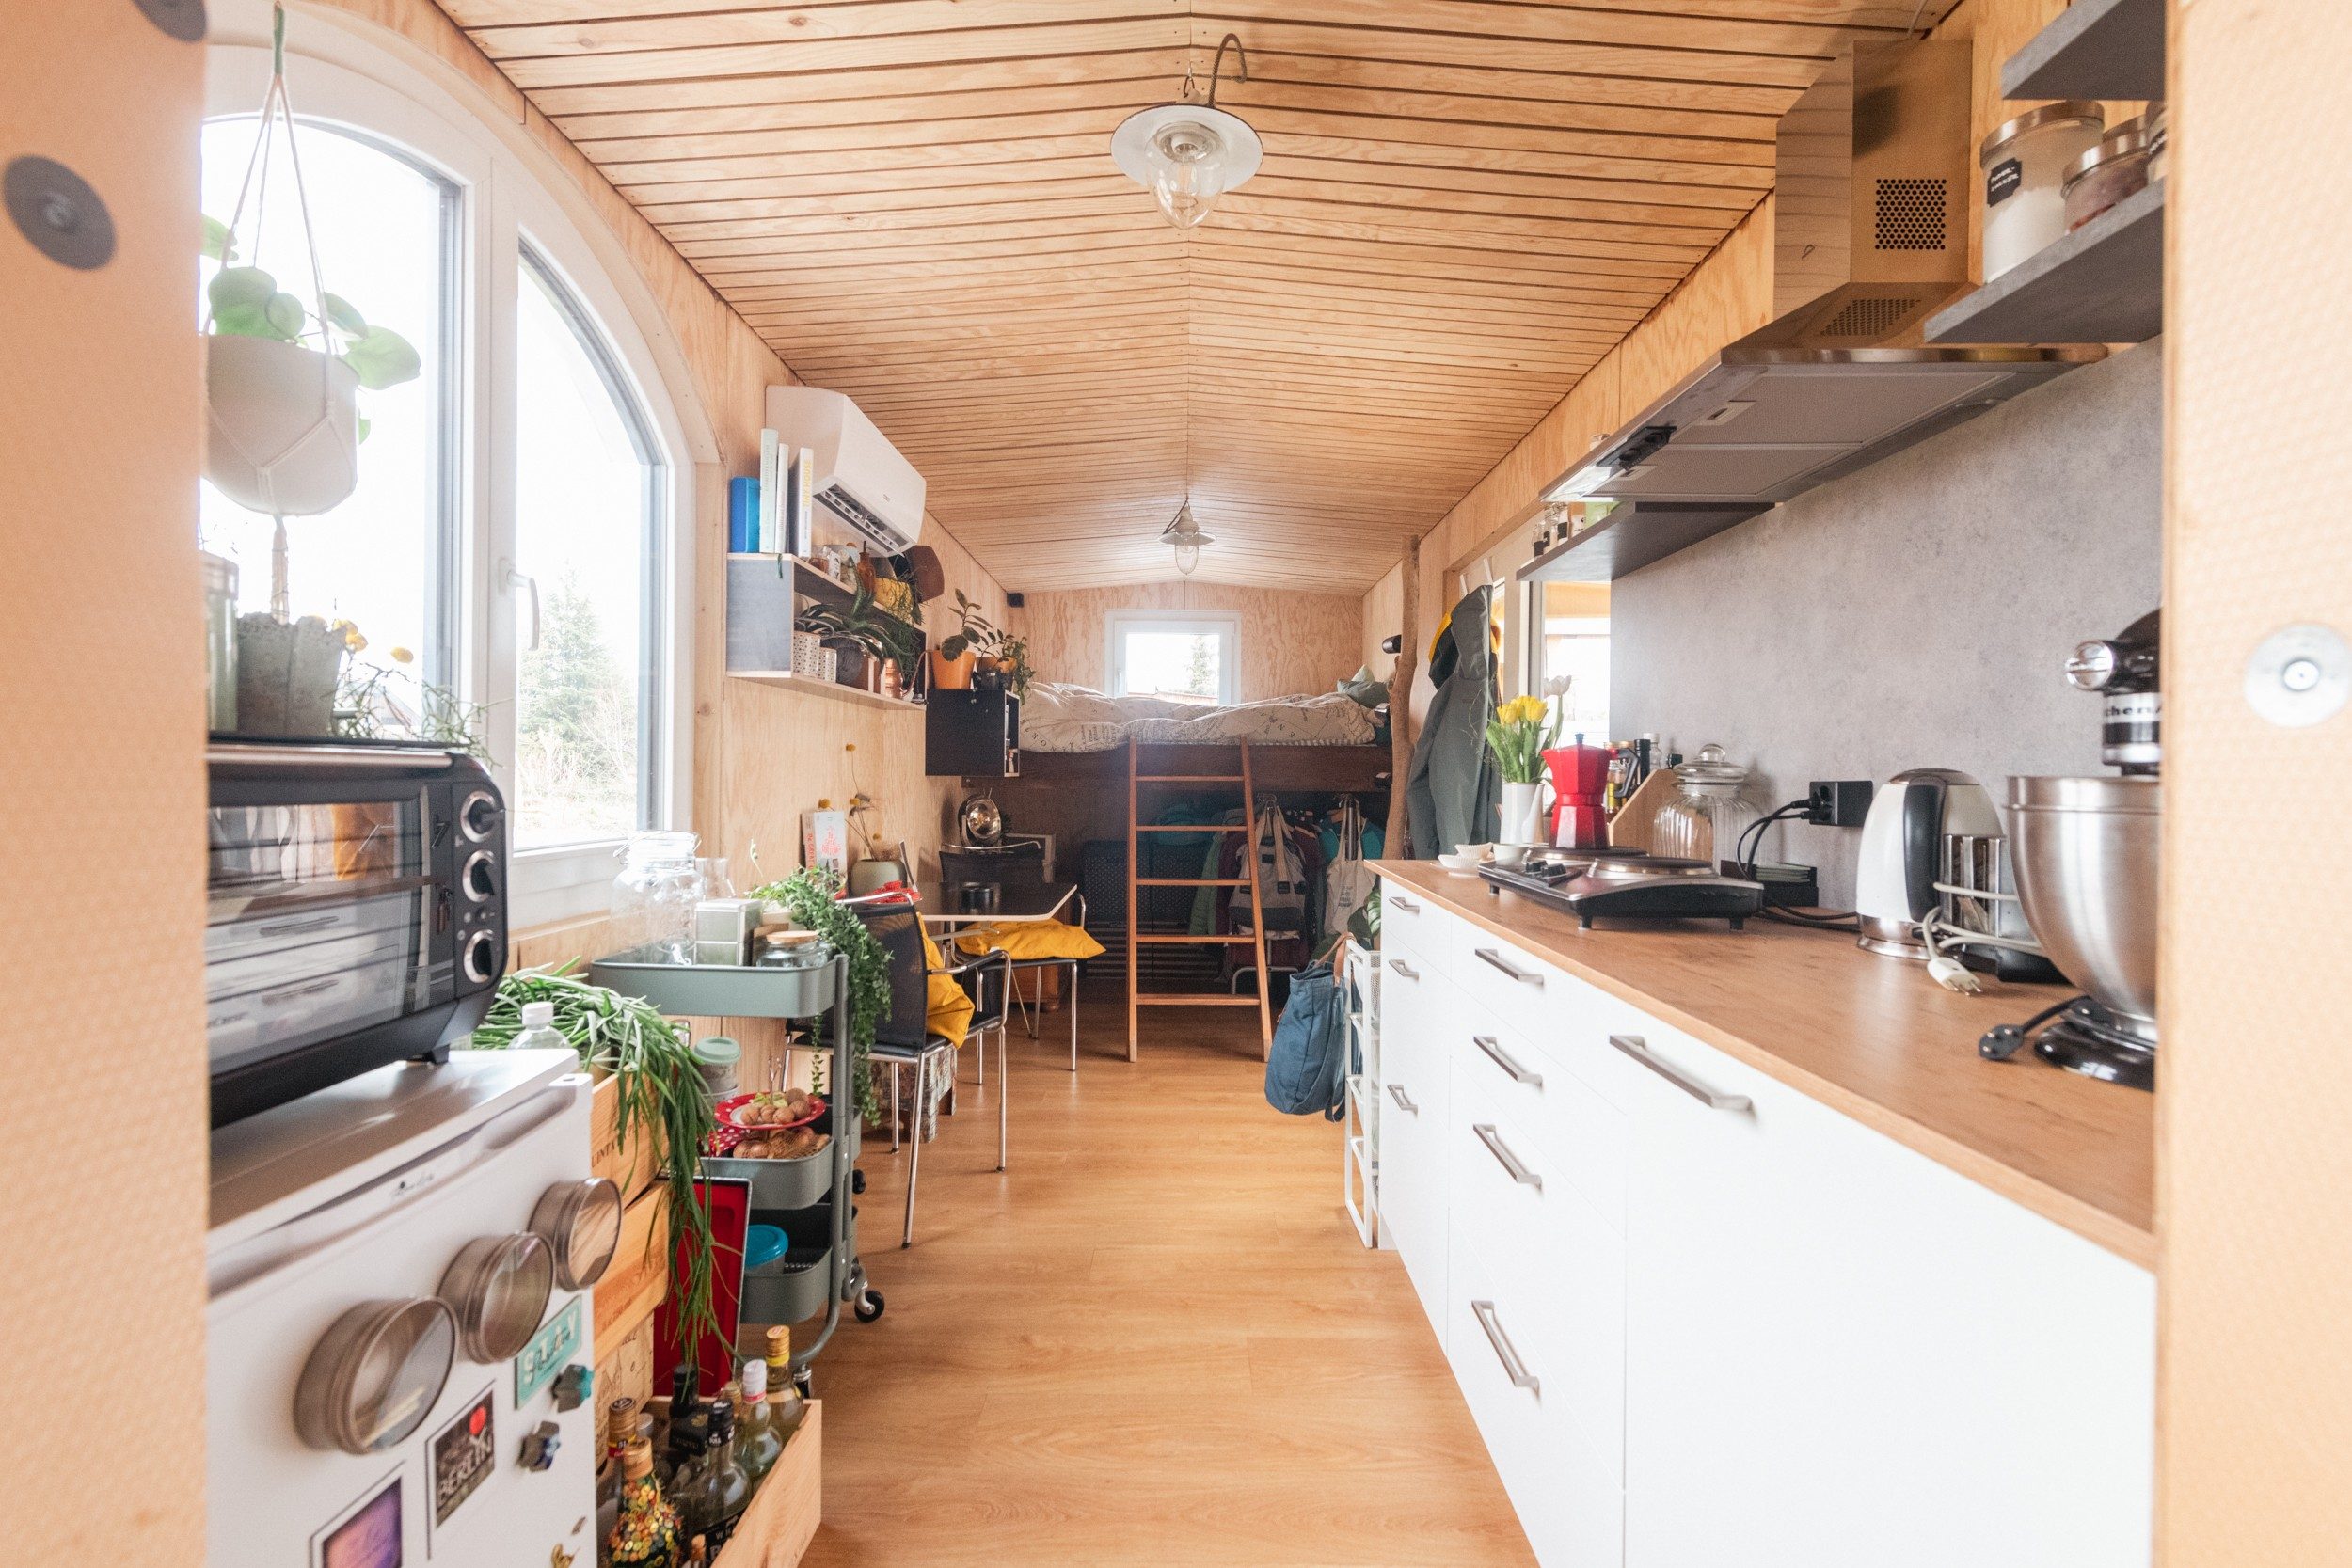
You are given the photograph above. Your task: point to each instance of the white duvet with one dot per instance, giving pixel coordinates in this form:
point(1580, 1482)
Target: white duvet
point(1055, 717)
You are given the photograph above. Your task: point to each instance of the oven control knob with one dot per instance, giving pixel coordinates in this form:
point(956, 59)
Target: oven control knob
point(573, 1385)
point(539, 1447)
point(478, 819)
point(480, 961)
point(480, 877)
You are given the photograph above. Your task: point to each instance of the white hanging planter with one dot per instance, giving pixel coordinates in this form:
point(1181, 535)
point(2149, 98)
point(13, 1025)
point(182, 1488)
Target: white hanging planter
point(281, 425)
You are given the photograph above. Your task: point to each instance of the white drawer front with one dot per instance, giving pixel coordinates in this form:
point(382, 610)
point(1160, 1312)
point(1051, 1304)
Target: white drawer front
point(1413, 1087)
point(1404, 915)
point(1570, 1505)
point(1544, 1094)
point(1537, 1239)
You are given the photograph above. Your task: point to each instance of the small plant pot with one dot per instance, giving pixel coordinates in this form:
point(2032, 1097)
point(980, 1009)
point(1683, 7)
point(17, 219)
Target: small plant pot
point(952, 674)
point(287, 673)
point(850, 668)
point(281, 432)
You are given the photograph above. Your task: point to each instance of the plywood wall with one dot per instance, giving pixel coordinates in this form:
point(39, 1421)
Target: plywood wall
point(103, 1141)
point(1291, 642)
point(2255, 1168)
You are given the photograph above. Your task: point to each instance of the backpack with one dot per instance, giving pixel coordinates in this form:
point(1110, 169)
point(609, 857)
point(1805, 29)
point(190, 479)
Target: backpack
point(1307, 1070)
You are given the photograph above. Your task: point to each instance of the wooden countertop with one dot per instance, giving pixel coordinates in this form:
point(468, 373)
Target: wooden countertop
point(1871, 1036)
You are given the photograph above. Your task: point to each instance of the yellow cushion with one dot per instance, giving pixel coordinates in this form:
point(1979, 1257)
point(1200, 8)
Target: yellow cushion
point(946, 1007)
point(1030, 940)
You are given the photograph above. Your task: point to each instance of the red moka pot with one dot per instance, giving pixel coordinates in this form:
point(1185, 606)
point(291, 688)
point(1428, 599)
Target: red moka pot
point(1580, 781)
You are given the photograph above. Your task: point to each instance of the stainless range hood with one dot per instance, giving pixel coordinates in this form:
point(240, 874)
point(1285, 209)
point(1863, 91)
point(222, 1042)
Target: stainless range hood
point(1871, 237)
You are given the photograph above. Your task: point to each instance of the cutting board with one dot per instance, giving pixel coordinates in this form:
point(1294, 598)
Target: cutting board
point(1631, 828)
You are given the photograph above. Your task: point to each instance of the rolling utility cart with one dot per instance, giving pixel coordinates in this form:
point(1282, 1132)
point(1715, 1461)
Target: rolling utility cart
point(811, 1200)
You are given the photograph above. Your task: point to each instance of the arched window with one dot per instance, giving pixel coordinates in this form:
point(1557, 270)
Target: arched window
point(523, 527)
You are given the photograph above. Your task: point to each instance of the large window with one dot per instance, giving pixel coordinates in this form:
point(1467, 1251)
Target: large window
point(1573, 641)
point(520, 530)
point(1182, 656)
point(588, 526)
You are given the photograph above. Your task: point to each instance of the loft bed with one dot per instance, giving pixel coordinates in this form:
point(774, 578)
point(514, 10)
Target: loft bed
point(1319, 743)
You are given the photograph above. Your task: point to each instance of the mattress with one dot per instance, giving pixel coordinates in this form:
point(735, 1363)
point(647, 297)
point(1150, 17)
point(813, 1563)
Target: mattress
point(1056, 717)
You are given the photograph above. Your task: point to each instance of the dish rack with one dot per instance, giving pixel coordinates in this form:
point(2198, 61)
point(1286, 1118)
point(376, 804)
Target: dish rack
point(1360, 1151)
point(809, 1199)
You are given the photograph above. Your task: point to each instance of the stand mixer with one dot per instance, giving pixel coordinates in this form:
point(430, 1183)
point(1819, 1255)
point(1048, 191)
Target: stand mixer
point(2084, 856)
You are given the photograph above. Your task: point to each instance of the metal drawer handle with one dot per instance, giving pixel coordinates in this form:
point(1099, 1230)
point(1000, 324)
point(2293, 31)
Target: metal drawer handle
point(1510, 1162)
point(1637, 1048)
point(1496, 959)
point(1512, 1368)
point(1404, 1103)
point(1404, 903)
point(1496, 1055)
point(1405, 969)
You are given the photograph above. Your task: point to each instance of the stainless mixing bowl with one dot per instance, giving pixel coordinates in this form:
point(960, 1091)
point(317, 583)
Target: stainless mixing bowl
point(2084, 854)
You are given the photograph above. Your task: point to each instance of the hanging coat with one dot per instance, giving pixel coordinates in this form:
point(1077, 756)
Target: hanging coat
point(1452, 788)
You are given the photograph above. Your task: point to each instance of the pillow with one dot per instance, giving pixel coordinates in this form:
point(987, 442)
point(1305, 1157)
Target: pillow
point(1027, 941)
point(946, 1007)
point(1363, 689)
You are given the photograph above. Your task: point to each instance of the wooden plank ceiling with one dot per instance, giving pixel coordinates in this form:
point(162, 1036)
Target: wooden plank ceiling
point(1464, 204)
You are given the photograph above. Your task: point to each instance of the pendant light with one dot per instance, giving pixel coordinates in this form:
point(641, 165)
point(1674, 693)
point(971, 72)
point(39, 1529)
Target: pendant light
point(1185, 534)
point(1188, 155)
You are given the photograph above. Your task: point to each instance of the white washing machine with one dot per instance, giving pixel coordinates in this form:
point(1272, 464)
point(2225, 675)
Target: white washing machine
point(399, 1355)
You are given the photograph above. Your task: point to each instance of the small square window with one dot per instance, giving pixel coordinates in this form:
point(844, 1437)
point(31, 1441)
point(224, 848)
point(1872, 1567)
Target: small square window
point(1183, 655)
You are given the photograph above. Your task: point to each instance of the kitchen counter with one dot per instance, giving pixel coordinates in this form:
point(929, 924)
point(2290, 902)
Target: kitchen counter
point(1871, 1036)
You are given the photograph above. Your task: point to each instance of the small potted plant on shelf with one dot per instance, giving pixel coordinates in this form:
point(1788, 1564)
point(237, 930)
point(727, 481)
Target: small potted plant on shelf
point(955, 661)
point(1012, 658)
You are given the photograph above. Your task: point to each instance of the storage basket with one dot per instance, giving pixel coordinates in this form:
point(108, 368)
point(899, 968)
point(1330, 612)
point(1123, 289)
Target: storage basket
point(811, 658)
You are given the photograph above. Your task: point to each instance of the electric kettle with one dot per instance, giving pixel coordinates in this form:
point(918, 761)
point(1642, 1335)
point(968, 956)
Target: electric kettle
point(1902, 852)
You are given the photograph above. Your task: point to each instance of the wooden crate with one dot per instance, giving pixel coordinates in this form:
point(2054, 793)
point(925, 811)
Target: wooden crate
point(640, 1275)
point(776, 1529)
point(632, 1167)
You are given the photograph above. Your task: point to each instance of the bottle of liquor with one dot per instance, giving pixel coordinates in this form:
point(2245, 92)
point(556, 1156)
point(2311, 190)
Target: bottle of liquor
point(756, 1445)
point(645, 1535)
point(620, 1428)
point(786, 1408)
point(679, 1412)
point(730, 1488)
point(689, 1487)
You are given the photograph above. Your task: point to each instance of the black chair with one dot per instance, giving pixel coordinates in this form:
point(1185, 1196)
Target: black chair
point(902, 1038)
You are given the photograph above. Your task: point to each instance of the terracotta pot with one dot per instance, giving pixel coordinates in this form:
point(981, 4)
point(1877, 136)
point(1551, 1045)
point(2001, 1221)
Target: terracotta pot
point(952, 674)
point(281, 434)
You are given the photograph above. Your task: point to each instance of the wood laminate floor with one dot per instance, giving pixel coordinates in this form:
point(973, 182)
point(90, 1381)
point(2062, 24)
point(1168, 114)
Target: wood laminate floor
point(1153, 1342)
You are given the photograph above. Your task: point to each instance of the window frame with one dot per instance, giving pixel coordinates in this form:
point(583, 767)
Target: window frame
point(510, 193)
point(1223, 625)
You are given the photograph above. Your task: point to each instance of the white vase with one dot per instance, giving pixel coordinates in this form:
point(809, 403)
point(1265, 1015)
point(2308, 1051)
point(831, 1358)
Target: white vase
point(1520, 810)
point(281, 430)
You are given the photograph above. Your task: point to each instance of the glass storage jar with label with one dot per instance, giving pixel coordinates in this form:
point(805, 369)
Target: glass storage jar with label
point(2025, 163)
point(655, 894)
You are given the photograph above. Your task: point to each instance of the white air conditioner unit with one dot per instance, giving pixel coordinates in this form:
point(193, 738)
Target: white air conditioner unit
point(860, 477)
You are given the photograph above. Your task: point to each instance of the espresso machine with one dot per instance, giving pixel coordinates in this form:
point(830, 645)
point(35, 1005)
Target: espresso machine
point(2084, 856)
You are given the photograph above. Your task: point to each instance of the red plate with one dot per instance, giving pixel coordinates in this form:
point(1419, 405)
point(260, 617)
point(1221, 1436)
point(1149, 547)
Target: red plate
point(727, 1108)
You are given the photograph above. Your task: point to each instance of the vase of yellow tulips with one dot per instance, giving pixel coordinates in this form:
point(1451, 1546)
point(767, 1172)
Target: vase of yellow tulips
point(1520, 732)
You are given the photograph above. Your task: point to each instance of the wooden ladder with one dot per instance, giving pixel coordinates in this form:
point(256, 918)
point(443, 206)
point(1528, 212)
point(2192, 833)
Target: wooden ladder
point(1137, 997)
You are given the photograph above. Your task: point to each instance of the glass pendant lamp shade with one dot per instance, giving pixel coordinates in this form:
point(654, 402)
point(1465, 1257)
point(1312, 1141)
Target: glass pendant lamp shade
point(1186, 155)
point(1185, 534)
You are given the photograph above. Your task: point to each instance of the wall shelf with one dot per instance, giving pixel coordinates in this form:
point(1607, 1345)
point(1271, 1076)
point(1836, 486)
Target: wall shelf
point(2105, 49)
point(2104, 283)
point(857, 696)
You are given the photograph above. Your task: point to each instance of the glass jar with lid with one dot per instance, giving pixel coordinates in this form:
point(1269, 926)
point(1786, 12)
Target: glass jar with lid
point(2116, 169)
point(1708, 815)
point(655, 894)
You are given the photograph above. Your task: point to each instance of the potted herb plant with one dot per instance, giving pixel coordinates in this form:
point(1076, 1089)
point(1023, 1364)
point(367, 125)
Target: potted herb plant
point(954, 660)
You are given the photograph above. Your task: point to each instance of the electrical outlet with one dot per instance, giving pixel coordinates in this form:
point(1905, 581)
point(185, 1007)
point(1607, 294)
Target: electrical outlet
point(1838, 802)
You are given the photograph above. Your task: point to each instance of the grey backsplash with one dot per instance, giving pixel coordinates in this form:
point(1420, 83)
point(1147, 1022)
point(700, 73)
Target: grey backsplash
point(1914, 614)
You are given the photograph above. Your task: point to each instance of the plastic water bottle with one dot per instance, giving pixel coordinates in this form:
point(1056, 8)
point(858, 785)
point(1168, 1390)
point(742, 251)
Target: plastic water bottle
point(539, 1032)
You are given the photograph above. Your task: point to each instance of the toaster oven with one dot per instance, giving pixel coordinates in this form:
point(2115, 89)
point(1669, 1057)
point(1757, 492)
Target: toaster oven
point(357, 913)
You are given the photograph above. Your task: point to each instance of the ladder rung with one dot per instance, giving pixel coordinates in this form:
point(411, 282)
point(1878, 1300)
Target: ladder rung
point(1192, 827)
point(1189, 778)
point(1243, 941)
point(1192, 881)
point(1183, 999)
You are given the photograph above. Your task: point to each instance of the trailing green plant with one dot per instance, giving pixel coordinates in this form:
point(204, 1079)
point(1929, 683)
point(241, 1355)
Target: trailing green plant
point(974, 633)
point(1014, 653)
point(812, 896)
point(370, 704)
point(661, 1092)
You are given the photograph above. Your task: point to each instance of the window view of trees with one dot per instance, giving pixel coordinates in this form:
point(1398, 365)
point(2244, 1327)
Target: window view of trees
point(1183, 665)
point(578, 734)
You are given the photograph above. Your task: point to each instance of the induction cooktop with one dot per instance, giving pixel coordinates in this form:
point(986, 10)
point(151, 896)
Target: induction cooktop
point(1618, 884)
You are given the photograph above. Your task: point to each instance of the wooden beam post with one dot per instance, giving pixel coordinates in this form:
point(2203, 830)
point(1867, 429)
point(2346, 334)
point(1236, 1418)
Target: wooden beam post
point(1400, 703)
